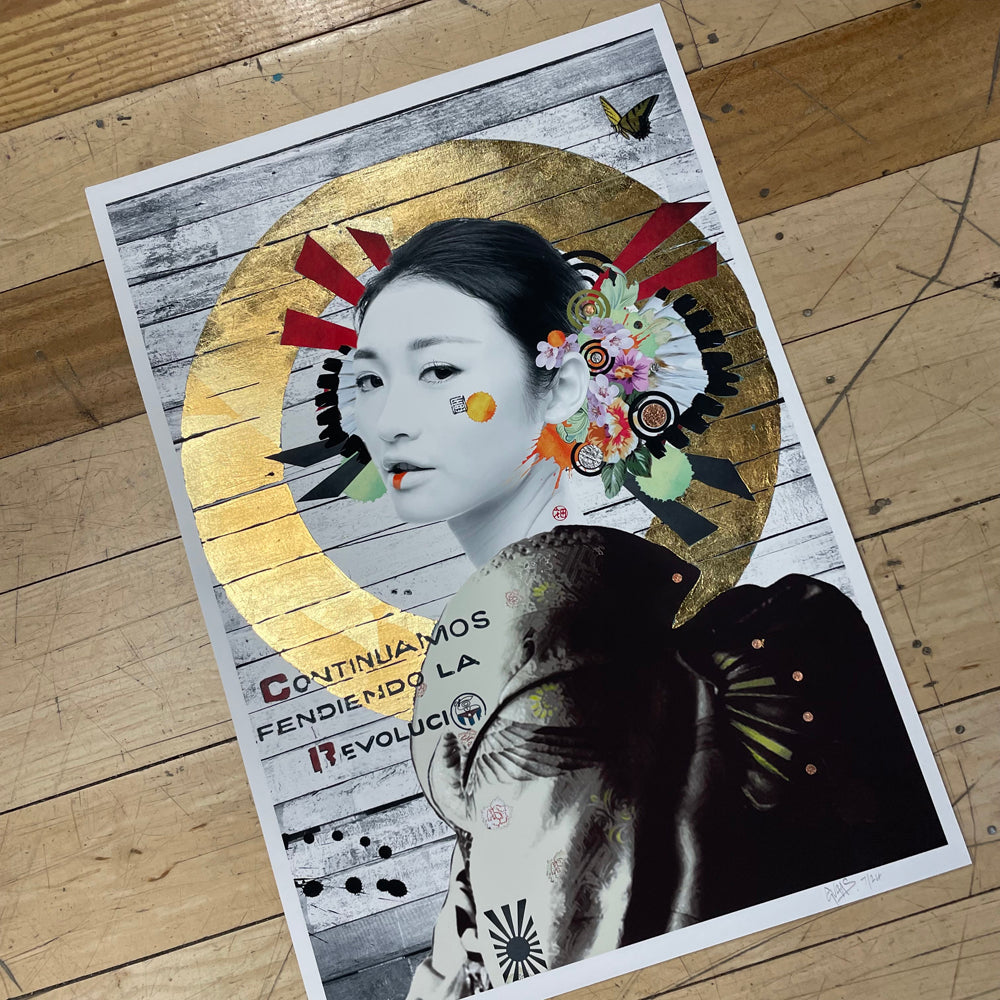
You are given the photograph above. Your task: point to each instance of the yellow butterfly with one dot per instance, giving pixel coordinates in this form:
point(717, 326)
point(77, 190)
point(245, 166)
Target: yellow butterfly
point(634, 124)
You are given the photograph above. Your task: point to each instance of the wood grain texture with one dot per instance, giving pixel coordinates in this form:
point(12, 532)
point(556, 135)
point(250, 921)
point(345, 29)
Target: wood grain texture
point(57, 56)
point(99, 869)
point(62, 155)
point(728, 30)
point(819, 82)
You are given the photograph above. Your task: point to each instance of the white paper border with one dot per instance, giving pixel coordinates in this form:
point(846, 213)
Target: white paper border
point(654, 950)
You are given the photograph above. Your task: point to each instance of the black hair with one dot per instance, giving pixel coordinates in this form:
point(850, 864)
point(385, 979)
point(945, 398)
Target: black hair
point(514, 269)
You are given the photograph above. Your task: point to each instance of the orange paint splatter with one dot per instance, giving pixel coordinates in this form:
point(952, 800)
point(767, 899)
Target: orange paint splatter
point(397, 480)
point(551, 445)
point(481, 406)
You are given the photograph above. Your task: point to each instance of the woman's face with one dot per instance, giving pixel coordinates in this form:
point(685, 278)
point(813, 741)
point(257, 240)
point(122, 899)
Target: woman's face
point(425, 351)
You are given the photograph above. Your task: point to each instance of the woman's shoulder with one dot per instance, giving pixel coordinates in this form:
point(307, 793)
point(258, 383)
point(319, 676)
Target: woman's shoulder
point(590, 558)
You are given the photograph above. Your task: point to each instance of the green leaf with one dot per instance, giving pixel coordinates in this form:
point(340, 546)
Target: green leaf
point(668, 477)
point(575, 429)
point(612, 475)
point(619, 293)
point(639, 462)
point(366, 486)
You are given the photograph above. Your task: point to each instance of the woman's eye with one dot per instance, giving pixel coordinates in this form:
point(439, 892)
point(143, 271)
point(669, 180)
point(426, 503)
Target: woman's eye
point(365, 383)
point(438, 373)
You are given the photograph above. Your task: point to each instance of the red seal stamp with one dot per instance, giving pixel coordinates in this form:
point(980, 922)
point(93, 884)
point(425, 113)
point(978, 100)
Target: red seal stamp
point(559, 513)
point(513, 598)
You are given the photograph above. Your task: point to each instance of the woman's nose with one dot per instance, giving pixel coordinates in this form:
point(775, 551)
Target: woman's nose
point(396, 419)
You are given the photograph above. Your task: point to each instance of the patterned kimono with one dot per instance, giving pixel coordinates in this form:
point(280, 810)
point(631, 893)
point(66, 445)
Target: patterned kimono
point(611, 778)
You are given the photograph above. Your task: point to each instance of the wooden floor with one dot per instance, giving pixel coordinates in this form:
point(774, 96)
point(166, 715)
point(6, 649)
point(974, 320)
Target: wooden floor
point(860, 144)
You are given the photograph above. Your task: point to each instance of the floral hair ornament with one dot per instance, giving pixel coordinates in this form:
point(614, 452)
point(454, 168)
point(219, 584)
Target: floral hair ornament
point(652, 368)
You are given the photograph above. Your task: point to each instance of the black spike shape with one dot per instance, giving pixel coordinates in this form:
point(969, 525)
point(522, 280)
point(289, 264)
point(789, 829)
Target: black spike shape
point(337, 481)
point(685, 522)
point(306, 454)
point(720, 473)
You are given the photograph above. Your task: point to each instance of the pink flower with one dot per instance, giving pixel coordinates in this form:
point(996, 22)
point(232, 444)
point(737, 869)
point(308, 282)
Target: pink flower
point(618, 340)
point(599, 394)
point(631, 371)
point(599, 327)
point(549, 356)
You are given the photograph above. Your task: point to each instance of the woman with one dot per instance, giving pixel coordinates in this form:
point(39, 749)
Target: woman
point(609, 777)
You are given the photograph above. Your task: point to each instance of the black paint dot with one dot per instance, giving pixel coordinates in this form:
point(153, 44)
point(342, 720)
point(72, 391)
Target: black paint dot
point(365, 841)
point(712, 38)
point(382, 885)
point(353, 885)
point(385, 851)
point(779, 236)
point(807, 312)
point(396, 888)
point(308, 838)
point(991, 830)
point(678, 46)
point(312, 888)
point(764, 192)
point(959, 730)
point(926, 651)
point(917, 644)
point(337, 835)
point(830, 379)
point(726, 108)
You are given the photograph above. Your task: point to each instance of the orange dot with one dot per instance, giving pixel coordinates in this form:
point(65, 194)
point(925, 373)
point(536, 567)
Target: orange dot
point(556, 338)
point(797, 675)
point(677, 578)
point(811, 769)
point(757, 644)
point(481, 406)
point(807, 716)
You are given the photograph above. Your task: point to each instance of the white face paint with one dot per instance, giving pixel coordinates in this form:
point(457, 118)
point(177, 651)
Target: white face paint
point(423, 343)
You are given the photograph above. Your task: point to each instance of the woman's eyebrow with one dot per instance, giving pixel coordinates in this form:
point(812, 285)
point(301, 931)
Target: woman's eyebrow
point(364, 354)
point(423, 342)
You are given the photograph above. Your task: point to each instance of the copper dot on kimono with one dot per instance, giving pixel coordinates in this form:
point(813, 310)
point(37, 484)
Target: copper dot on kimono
point(807, 716)
point(810, 768)
point(797, 675)
point(677, 578)
point(757, 644)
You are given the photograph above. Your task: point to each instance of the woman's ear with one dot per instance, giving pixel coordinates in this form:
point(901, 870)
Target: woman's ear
point(568, 391)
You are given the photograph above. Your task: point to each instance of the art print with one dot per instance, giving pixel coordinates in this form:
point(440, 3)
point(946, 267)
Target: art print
point(548, 648)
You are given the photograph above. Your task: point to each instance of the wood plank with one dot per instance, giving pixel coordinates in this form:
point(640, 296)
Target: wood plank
point(62, 155)
point(253, 963)
point(57, 56)
point(64, 365)
point(939, 108)
point(915, 427)
point(879, 245)
point(80, 501)
point(807, 121)
point(116, 871)
point(729, 30)
point(104, 670)
point(936, 584)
